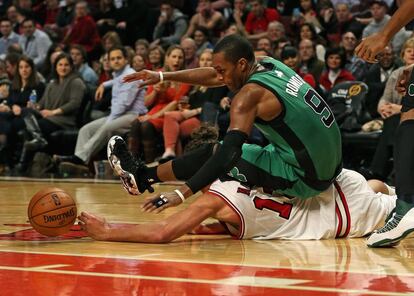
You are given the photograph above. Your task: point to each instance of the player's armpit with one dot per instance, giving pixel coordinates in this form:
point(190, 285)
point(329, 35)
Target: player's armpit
point(212, 228)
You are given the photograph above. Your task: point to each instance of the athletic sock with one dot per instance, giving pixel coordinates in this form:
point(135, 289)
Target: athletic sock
point(402, 207)
point(151, 175)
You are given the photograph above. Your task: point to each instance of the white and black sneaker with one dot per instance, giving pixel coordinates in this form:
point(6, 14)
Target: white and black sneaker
point(130, 170)
point(395, 229)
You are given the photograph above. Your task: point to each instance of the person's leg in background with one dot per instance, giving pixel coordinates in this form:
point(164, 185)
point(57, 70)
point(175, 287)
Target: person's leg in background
point(171, 133)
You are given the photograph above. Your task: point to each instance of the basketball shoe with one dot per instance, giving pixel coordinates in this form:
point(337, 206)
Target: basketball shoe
point(397, 227)
point(131, 171)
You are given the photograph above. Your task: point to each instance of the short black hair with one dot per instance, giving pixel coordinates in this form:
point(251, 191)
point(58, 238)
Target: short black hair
point(336, 50)
point(121, 48)
point(235, 47)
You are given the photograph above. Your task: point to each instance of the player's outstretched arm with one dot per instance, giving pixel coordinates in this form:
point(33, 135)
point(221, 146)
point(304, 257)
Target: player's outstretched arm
point(371, 46)
point(163, 231)
point(205, 76)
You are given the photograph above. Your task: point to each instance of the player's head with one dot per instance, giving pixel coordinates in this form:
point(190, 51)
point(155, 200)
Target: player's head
point(233, 58)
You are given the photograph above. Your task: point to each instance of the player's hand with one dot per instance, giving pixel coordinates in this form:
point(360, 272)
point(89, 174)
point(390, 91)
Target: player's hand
point(96, 227)
point(402, 81)
point(159, 202)
point(371, 46)
point(148, 77)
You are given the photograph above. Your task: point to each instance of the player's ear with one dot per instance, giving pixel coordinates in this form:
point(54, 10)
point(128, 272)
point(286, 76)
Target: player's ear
point(243, 64)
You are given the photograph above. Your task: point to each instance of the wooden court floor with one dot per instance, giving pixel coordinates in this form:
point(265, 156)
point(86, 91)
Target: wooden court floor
point(31, 264)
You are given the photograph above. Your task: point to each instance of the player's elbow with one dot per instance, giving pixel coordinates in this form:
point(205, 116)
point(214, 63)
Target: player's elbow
point(164, 236)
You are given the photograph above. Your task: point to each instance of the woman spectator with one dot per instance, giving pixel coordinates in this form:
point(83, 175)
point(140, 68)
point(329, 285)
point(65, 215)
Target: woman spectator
point(160, 98)
point(110, 40)
point(201, 39)
point(290, 57)
point(306, 14)
point(179, 124)
point(138, 63)
point(307, 31)
point(26, 82)
point(335, 72)
point(56, 109)
point(155, 57)
point(142, 48)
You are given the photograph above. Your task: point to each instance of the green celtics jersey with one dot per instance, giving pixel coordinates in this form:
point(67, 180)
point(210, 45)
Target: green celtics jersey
point(305, 135)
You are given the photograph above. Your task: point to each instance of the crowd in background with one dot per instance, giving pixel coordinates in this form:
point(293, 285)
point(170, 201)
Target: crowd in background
point(62, 64)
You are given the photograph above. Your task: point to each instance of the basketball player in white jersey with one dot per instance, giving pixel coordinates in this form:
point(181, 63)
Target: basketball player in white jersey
point(349, 208)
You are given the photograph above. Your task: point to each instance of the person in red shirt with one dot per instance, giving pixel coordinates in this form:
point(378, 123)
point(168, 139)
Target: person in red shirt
point(335, 72)
point(83, 31)
point(160, 98)
point(290, 57)
point(258, 19)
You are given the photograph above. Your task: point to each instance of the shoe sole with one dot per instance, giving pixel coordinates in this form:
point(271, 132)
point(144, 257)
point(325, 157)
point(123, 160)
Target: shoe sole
point(128, 179)
point(391, 242)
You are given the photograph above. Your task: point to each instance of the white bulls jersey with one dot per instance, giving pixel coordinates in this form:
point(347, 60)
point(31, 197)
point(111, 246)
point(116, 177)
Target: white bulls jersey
point(348, 208)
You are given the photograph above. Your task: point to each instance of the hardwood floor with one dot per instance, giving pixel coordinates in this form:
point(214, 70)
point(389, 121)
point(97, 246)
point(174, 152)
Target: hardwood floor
point(193, 265)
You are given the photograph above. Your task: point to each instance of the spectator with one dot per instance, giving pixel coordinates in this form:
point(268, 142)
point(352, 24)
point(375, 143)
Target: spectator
point(240, 13)
point(309, 62)
point(201, 39)
point(156, 57)
point(51, 55)
point(335, 72)
point(106, 17)
point(264, 43)
point(307, 31)
point(160, 99)
point(279, 45)
point(353, 64)
point(172, 25)
point(56, 109)
point(34, 42)
point(179, 124)
point(142, 48)
point(380, 18)
point(290, 57)
point(138, 63)
point(102, 107)
point(377, 77)
point(258, 19)
point(111, 39)
point(8, 36)
point(51, 12)
point(190, 49)
point(83, 31)
point(11, 64)
point(66, 14)
point(12, 16)
point(127, 103)
point(206, 17)
point(79, 57)
point(24, 83)
point(341, 22)
point(275, 31)
point(306, 14)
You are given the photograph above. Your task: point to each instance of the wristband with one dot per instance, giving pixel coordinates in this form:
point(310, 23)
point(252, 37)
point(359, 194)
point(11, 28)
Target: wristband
point(161, 76)
point(180, 195)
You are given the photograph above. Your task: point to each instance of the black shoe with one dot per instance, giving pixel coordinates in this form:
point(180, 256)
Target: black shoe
point(35, 144)
point(131, 171)
point(166, 159)
point(68, 158)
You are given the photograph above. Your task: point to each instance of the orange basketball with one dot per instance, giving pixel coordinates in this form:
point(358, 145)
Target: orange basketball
point(52, 211)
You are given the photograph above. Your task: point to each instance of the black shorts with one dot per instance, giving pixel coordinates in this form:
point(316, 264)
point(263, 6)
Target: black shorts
point(407, 101)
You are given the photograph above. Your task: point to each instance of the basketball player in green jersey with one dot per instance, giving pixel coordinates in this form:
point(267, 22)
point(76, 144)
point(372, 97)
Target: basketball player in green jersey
point(304, 154)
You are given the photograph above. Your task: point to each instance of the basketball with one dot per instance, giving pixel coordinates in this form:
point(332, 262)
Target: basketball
point(52, 211)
